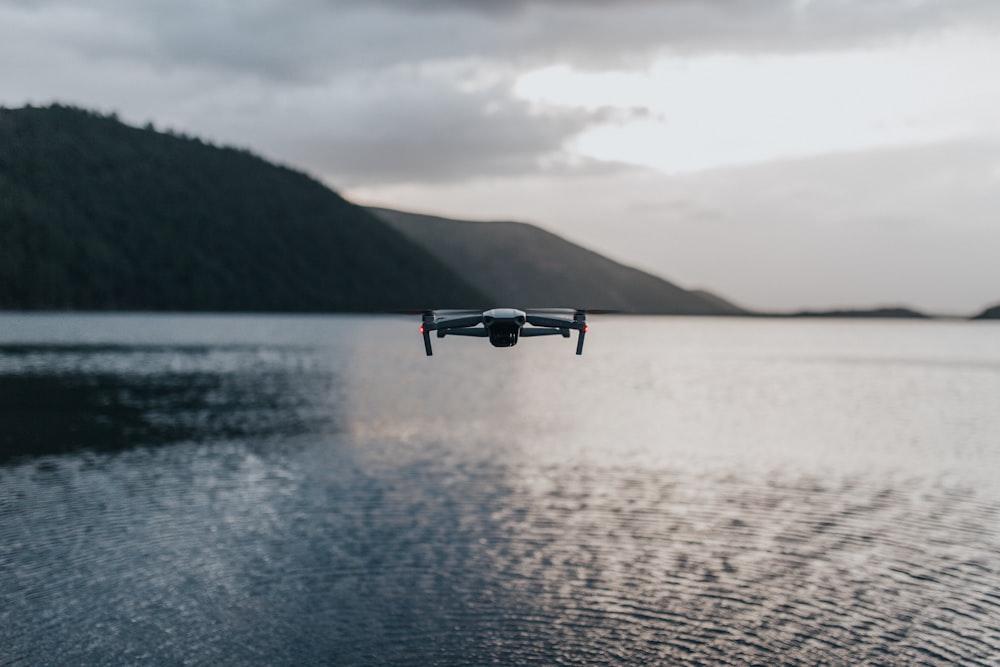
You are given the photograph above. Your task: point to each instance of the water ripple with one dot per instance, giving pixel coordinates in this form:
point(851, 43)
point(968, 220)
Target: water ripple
point(332, 503)
point(236, 557)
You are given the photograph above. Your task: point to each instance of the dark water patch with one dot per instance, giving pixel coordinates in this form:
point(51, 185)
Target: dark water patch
point(109, 398)
point(24, 349)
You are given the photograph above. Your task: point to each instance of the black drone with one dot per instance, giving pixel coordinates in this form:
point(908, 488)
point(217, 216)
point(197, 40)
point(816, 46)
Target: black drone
point(504, 326)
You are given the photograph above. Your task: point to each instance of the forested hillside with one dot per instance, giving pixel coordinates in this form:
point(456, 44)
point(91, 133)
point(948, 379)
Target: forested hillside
point(95, 214)
point(526, 266)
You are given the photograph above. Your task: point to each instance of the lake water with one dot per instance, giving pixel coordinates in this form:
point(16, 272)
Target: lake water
point(302, 490)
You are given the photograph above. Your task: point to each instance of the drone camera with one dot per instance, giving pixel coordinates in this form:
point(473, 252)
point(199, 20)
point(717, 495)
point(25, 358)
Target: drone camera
point(504, 335)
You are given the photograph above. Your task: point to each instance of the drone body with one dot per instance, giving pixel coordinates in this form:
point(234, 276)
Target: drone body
point(503, 326)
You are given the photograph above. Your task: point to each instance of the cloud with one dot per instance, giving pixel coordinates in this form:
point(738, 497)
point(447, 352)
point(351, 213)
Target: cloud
point(407, 128)
point(309, 92)
point(312, 40)
point(379, 91)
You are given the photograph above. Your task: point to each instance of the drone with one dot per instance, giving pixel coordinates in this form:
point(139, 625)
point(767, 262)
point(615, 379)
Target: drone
point(504, 326)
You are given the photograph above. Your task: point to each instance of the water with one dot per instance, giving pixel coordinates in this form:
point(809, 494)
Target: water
point(283, 490)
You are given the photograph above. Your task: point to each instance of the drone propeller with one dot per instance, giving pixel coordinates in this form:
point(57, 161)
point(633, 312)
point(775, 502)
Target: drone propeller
point(552, 311)
point(571, 311)
point(438, 311)
point(447, 312)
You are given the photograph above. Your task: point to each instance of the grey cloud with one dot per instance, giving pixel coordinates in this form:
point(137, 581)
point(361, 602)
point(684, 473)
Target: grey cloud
point(315, 39)
point(417, 123)
point(408, 130)
point(376, 91)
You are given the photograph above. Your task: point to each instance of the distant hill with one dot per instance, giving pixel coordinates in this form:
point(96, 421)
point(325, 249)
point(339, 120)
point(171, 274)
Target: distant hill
point(521, 265)
point(95, 214)
point(992, 313)
point(722, 304)
point(889, 313)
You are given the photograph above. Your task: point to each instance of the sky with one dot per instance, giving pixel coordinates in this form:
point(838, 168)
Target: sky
point(785, 154)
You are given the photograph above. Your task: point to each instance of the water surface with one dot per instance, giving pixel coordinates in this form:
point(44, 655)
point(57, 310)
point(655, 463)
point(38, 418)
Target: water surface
point(280, 490)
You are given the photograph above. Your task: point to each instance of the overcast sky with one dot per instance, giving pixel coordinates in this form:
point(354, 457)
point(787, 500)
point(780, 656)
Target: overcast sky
point(785, 154)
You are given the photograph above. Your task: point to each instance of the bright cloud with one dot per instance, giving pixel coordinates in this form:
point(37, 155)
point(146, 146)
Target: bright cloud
point(722, 110)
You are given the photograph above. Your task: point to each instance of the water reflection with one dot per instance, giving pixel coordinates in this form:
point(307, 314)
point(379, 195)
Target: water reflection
point(104, 398)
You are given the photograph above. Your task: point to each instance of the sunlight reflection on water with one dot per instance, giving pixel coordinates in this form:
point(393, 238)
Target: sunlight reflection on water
point(281, 489)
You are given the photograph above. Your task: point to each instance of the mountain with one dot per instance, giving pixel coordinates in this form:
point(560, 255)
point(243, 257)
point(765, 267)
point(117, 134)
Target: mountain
point(521, 265)
point(95, 214)
point(992, 313)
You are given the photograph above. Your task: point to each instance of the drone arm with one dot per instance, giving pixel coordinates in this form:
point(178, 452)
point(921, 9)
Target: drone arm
point(579, 323)
point(463, 331)
point(544, 331)
point(454, 322)
point(546, 321)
